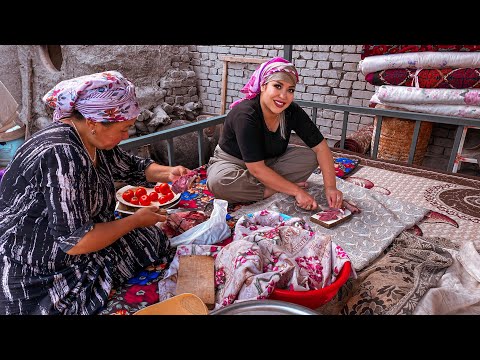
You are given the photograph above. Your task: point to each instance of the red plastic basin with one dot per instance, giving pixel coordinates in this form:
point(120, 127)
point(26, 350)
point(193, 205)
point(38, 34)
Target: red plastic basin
point(314, 298)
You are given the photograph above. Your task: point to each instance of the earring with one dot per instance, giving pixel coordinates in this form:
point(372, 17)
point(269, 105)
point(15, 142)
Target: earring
point(93, 131)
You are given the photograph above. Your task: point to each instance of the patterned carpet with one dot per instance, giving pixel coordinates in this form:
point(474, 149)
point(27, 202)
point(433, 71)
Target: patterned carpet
point(397, 280)
point(454, 202)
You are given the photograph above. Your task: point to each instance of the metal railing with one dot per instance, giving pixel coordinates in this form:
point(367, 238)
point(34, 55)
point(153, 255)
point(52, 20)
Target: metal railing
point(170, 134)
point(460, 122)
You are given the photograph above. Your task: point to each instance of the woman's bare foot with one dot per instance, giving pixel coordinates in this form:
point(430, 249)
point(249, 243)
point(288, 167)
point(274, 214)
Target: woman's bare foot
point(268, 192)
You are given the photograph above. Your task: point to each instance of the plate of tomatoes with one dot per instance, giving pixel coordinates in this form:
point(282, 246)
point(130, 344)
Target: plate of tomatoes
point(160, 195)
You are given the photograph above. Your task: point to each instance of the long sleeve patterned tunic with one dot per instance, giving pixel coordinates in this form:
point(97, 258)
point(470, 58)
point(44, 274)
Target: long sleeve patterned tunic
point(50, 196)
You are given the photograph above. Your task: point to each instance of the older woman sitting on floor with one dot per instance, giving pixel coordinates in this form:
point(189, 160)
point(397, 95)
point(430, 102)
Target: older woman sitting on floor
point(61, 249)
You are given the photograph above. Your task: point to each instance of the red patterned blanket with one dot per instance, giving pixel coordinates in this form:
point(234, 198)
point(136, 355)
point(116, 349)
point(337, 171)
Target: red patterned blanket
point(372, 50)
point(448, 78)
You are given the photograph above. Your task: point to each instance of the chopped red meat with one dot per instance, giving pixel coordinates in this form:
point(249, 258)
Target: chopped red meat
point(329, 214)
point(184, 182)
point(180, 222)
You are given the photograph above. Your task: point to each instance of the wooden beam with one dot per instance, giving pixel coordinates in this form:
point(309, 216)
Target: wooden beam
point(234, 59)
point(242, 59)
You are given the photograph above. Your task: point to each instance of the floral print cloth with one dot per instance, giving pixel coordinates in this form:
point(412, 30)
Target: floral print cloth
point(410, 95)
point(373, 50)
point(269, 250)
point(103, 97)
point(258, 78)
point(420, 60)
point(343, 167)
point(465, 111)
point(139, 292)
point(446, 78)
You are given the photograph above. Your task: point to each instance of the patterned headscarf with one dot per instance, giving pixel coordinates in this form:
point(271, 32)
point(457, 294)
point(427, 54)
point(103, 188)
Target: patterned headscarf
point(253, 87)
point(102, 97)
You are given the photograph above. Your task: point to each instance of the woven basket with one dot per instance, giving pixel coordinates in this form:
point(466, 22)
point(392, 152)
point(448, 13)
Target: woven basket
point(396, 136)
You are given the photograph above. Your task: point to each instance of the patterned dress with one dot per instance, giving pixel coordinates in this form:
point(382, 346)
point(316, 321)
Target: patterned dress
point(50, 196)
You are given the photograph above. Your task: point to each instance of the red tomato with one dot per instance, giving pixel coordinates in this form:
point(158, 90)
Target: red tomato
point(127, 195)
point(144, 200)
point(157, 188)
point(140, 191)
point(164, 188)
point(153, 196)
point(162, 199)
point(169, 196)
point(134, 200)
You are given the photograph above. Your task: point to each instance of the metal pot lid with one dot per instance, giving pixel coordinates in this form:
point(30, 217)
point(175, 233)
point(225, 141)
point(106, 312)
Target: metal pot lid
point(264, 307)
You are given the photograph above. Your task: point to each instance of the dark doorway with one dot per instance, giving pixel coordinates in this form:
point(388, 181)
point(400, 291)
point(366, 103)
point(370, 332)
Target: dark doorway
point(52, 56)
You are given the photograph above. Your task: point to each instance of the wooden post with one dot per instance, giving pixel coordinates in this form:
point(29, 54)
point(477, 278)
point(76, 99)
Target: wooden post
point(224, 87)
point(226, 60)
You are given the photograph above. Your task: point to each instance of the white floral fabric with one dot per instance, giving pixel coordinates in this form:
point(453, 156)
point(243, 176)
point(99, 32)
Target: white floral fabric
point(270, 250)
point(419, 60)
point(464, 111)
point(411, 95)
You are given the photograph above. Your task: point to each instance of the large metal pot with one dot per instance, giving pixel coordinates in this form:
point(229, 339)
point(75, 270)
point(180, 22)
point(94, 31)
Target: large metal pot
point(264, 307)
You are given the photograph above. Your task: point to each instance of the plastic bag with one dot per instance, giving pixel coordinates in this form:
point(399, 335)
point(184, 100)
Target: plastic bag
point(209, 232)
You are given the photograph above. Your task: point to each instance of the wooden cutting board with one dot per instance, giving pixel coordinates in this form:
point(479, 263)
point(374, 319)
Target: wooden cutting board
point(329, 224)
point(196, 275)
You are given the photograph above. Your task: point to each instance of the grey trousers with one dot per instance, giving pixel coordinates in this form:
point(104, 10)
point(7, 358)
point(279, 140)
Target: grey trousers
point(228, 177)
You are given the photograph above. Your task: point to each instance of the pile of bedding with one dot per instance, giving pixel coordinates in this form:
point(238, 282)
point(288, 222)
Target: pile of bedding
point(434, 79)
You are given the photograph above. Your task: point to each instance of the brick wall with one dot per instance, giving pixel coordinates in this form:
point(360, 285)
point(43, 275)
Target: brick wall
point(328, 73)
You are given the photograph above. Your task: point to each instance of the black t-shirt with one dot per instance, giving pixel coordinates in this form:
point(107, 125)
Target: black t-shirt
point(246, 136)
